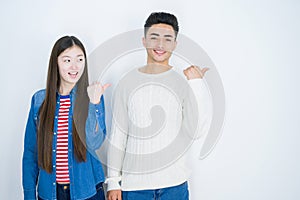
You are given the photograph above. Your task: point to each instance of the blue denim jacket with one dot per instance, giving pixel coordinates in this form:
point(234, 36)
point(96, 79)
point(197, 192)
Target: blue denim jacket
point(83, 175)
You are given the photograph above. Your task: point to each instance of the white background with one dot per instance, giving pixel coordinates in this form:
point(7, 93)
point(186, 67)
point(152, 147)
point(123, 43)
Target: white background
point(255, 46)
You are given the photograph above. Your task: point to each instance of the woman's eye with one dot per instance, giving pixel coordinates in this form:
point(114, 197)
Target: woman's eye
point(80, 59)
point(67, 60)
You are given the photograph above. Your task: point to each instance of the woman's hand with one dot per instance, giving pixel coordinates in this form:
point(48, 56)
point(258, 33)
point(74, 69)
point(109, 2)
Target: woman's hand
point(95, 91)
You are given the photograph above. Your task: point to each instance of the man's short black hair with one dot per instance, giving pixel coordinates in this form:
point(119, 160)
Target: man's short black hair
point(161, 18)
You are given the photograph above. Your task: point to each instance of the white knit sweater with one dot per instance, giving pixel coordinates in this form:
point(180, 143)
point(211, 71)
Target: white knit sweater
point(155, 119)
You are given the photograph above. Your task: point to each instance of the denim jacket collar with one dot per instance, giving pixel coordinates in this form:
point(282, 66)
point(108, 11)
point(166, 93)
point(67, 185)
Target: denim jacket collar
point(72, 93)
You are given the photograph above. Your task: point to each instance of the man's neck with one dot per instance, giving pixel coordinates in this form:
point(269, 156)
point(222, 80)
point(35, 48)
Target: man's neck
point(154, 68)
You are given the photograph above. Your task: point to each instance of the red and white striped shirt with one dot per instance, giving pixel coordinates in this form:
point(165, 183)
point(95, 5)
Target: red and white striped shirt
point(62, 168)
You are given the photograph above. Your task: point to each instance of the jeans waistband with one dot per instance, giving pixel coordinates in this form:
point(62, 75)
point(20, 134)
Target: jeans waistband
point(64, 186)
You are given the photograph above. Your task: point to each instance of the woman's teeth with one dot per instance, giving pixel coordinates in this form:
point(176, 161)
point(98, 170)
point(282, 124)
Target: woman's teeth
point(73, 74)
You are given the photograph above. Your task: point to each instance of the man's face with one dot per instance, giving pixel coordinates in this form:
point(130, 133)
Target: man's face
point(160, 41)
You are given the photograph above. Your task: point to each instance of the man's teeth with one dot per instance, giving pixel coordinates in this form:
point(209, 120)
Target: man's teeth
point(159, 52)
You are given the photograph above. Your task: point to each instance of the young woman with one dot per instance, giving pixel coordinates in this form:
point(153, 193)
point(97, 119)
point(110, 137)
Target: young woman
point(56, 161)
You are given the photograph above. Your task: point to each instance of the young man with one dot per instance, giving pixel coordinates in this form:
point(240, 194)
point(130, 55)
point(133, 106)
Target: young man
point(156, 116)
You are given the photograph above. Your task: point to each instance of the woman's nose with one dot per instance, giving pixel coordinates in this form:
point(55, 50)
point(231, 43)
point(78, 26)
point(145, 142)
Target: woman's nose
point(74, 64)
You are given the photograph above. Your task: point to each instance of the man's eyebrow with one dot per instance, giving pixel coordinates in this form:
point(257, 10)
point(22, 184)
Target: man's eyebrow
point(155, 34)
point(171, 36)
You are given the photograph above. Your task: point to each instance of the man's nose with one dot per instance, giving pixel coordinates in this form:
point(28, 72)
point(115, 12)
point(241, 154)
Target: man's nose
point(160, 43)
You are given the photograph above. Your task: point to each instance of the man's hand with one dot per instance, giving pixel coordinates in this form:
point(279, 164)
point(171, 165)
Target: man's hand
point(114, 195)
point(95, 90)
point(194, 72)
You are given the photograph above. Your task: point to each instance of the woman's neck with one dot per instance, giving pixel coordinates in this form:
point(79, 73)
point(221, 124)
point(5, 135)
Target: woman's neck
point(65, 89)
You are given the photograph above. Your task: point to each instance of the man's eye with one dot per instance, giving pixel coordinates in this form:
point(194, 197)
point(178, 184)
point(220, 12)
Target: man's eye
point(168, 40)
point(153, 38)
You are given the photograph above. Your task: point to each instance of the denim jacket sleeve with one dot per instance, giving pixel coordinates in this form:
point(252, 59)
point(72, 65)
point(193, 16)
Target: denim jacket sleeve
point(95, 125)
point(30, 170)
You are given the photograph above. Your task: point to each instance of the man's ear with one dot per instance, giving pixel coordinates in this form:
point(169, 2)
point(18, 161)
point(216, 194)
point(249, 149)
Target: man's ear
point(175, 44)
point(144, 42)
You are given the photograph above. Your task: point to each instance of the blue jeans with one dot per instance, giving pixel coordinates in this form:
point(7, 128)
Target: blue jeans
point(63, 193)
point(179, 192)
point(100, 193)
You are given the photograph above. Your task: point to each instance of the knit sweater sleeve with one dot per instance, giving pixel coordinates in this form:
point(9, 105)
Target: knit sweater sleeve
point(117, 139)
point(204, 110)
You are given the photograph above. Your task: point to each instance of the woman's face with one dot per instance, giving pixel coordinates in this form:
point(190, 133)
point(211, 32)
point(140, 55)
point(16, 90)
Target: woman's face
point(71, 64)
